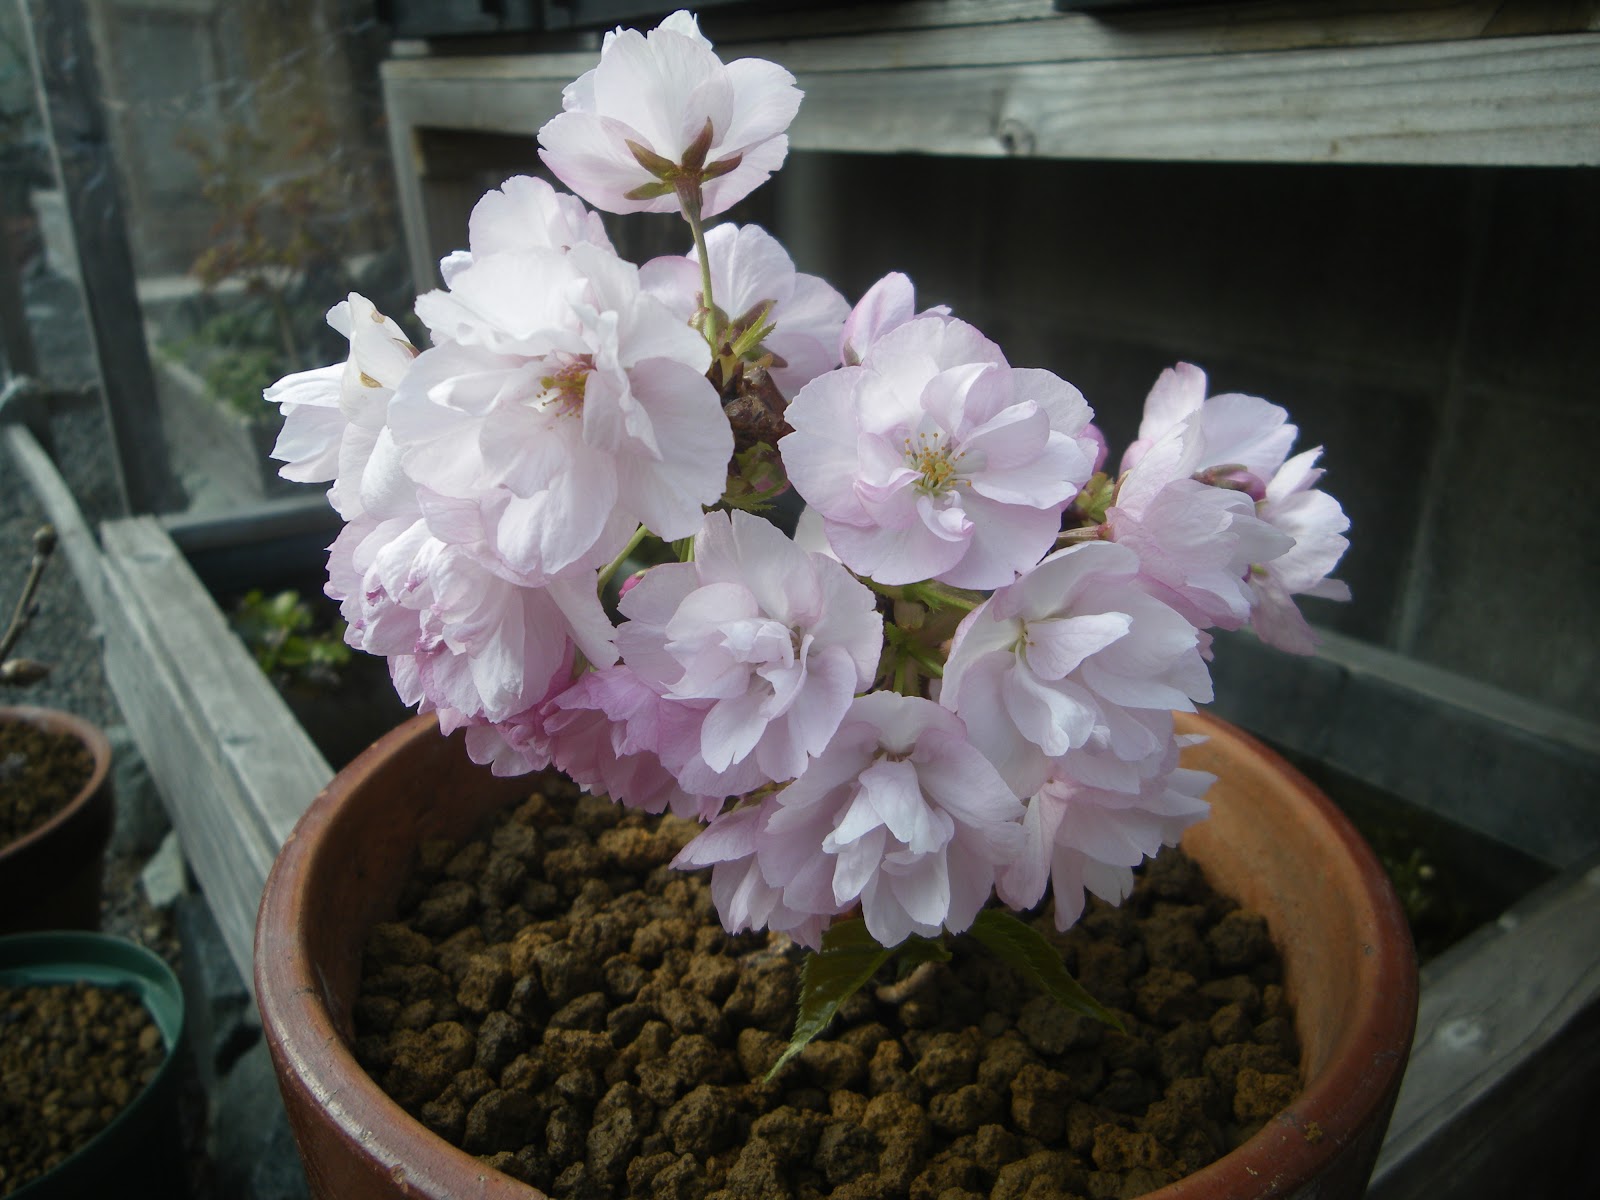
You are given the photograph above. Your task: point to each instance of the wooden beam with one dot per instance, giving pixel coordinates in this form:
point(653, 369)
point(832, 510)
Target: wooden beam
point(68, 88)
point(1506, 102)
point(1506, 1017)
point(1512, 101)
point(1503, 766)
point(234, 767)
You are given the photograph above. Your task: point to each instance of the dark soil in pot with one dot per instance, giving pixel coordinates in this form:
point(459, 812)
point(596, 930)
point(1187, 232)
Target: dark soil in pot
point(41, 772)
point(559, 1002)
point(72, 1056)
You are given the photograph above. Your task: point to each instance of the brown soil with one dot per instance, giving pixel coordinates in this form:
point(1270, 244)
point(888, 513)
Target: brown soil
point(72, 1056)
point(559, 1002)
point(40, 774)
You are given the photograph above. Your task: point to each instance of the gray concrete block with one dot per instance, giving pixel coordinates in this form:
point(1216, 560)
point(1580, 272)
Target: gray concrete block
point(251, 1143)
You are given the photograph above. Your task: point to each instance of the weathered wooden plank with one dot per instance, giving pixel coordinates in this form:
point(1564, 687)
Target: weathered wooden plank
point(1156, 32)
point(402, 117)
point(972, 34)
point(1508, 768)
point(262, 743)
point(230, 856)
point(16, 339)
point(1513, 101)
point(1493, 1009)
point(1502, 101)
point(233, 765)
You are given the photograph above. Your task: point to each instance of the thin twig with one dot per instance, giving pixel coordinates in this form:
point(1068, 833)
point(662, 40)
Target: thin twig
point(44, 544)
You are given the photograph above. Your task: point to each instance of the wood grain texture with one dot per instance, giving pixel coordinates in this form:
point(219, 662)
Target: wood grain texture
point(1495, 1009)
point(1515, 101)
point(1006, 90)
point(1158, 32)
point(234, 767)
point(970, 33)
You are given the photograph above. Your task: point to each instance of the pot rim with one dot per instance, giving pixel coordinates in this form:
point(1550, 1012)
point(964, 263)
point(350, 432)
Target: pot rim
point(310, 1053)
point(56, 720)
point(1360, 1077)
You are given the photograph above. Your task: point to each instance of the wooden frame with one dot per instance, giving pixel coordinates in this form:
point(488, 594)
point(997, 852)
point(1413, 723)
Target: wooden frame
point(69, 98)
point(1438, 83)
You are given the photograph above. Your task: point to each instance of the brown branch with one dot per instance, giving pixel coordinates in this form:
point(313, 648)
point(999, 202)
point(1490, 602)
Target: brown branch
point(44, 544)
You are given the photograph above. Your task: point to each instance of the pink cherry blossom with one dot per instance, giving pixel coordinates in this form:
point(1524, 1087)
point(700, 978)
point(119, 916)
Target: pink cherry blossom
point(475, 646)
point(760, 647)
point(1075, 653)
point(1227, 531)
point(754, 283)
point(1294, 505)
point(1231, 429)
point(662, 106)
point(1196, 545)
point(564, 408)
point(887, 305)
point(1094, 819)
point(936, 459)
point(900, 814)
point(603, 730)
point(741, 893)
point(1186, 500)
point(332, 415)
point(524, 213)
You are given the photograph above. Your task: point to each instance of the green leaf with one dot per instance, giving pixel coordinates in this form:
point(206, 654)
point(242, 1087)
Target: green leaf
point(1023, 947)
point(848, 959)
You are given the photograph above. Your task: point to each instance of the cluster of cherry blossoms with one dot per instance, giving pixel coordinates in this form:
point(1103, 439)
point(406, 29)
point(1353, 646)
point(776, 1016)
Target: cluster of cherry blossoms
point(954, 680)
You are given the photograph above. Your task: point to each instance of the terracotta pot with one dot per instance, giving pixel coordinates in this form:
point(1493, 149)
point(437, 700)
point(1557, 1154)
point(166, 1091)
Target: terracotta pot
point(1274, 842)
point(50, 878)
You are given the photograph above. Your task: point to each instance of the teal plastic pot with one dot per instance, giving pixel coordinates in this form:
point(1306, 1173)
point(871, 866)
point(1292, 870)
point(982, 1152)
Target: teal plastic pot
point(138, 1154)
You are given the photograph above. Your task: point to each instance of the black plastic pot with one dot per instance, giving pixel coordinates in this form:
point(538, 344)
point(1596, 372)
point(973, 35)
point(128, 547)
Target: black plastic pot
point(138, 1154)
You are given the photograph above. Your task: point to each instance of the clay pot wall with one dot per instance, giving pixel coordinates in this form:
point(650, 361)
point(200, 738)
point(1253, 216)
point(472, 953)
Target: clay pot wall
point(50, 878)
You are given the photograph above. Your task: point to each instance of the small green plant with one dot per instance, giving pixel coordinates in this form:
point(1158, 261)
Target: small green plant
point(281, 632)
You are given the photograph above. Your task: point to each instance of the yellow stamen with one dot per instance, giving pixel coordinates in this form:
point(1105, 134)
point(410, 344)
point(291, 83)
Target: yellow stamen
point(934, 463)
point(565, 388)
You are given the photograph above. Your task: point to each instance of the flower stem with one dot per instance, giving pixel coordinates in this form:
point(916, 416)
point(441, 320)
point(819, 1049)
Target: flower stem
point(938, 595)
point(689, 201)
point(610, 568)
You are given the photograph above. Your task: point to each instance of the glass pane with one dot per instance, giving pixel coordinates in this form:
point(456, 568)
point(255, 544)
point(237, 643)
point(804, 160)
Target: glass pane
point(41, 301)
point(257, 189)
